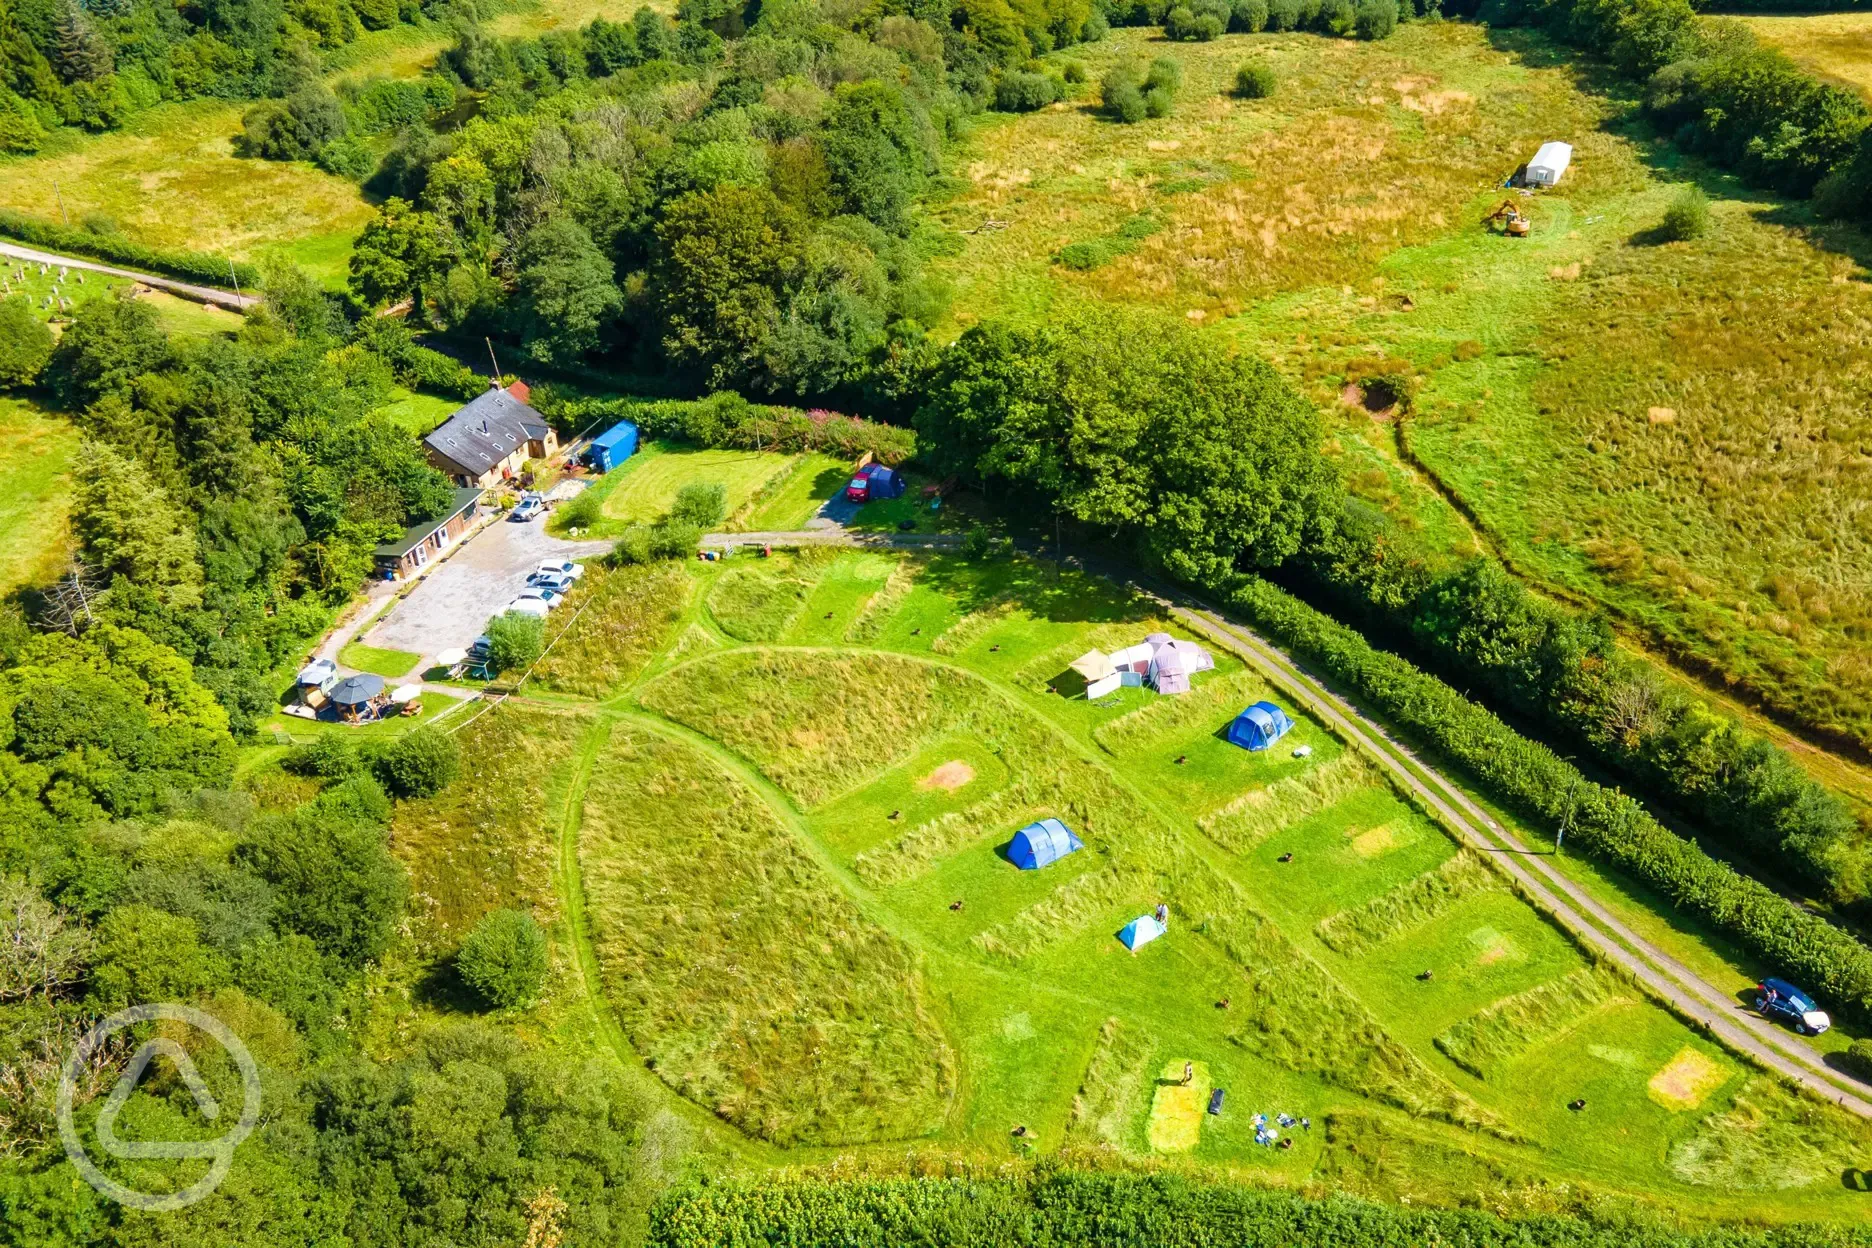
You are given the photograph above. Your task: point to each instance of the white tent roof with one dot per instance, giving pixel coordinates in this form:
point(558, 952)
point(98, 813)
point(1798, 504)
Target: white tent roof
point(1092, 665)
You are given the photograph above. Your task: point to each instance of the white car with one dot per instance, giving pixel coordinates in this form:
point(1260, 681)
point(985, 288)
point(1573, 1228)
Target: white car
point(558, 567)
point(536, 607)
point(558, 584)
point(530, 506)
point(551, 597)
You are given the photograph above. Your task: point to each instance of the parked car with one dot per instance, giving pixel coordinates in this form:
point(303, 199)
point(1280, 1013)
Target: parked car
point(559, 567)
point(1783, 1002)
point(530, 605)
point(530, 506)
point(551, 597)
point(558, 584)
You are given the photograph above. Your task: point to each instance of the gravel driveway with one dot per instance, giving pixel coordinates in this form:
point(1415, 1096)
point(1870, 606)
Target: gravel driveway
point(453, 604)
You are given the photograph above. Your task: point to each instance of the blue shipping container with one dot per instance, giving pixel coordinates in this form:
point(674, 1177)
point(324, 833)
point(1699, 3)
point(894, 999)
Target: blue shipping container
point(612, 447)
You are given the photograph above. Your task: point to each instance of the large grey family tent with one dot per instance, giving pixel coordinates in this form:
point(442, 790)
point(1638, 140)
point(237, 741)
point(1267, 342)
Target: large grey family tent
point(1260, 726)
point(885, 482)
point(1141, 931)
point(1037, 844)
point(1172, 664)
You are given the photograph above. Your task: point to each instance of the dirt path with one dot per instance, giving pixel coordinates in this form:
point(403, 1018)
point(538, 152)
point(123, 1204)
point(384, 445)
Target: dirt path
point(188, 290)
point(1591, 923)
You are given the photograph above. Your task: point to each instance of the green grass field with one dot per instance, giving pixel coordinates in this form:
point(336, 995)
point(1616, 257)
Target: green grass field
point(37, 453)
point(789, 854)
point(386, 663)
point(642, 489)
point(419, 414)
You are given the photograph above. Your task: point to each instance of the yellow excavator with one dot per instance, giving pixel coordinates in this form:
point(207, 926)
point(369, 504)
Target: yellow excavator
point(1514, 222)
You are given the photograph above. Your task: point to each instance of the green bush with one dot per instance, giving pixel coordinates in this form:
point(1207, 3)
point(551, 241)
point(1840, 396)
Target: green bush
point(504, 959)
point(1375, 19)
point(701, 503)
point(581, 511)
point(420, 763)
point(25, 342)
point(515, 641)
point(1022, 92)
point(1688, 216)
point(1283, 15)
point(1121, 97)
point(1254, 81)
point(1858, 1058)
point(1087, 255)
point(1338, 17)
point(1075, 72)
point(1185, 24)
point(330, 756)
point(1249, 16)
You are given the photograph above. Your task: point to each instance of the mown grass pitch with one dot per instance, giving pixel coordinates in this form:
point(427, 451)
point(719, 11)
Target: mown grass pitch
point(37, 453)
point(786, 790)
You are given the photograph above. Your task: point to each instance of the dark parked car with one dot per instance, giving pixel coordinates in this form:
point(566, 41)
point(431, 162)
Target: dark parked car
point(1783, 1002)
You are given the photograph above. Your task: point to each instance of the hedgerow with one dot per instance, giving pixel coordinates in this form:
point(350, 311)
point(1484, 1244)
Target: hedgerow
point(189, 266)
point(728, 420)
point(1072, 1207)
point(1602, 823)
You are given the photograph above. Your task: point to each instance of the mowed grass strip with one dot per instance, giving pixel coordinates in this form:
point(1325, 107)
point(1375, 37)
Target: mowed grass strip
point(1504, 1030)
point(488, 840)
point(389, 664)
point(1105, 1107)
point(650, 479)
point(619, 617)
point(1211, 702)
point(1408, 906)
point(1257, 814)
point(37, 452)
point(749, 981)
point(885, 601)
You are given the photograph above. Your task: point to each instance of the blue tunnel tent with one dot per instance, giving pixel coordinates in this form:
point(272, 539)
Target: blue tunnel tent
point(1259, 727)
point(613, 446)
point(1037, 844)
point(885, 482)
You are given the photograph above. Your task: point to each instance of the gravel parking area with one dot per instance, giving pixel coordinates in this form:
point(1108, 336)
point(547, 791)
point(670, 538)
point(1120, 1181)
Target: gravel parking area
point(455, 601)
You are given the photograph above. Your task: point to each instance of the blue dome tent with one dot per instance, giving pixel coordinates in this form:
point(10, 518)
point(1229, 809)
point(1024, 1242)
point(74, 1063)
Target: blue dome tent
point(1259, 727)
point(1037, 844)
point(1141, 931)
point(885, 482)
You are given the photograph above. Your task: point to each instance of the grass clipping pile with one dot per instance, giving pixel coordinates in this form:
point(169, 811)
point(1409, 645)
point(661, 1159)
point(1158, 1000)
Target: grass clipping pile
point(750, 983)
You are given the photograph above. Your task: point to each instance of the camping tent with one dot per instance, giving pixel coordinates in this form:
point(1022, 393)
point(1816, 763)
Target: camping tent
point(1134, 658)
point(1097, 671)
point(613, 446)
point(1259, 727)
point(1549, 163)
point(1141, 931)
point(1037, 844)
point(1174, 662)
point(885, 482)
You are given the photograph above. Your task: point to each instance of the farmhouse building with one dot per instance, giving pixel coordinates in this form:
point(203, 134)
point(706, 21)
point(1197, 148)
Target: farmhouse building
point(423, 542)
point(489, 439)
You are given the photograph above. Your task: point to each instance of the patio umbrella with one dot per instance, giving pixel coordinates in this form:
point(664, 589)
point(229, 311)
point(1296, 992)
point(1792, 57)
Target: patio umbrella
point(449, 658)
point(403, 693)
point(356, 690)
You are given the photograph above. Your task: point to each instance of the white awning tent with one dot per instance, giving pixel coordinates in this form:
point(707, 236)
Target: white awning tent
point(1549, 163)
point(1100, 676)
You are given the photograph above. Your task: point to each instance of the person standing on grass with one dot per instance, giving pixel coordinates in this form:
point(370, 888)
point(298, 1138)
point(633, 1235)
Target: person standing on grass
point(1189, 1073)
point(1163, 913)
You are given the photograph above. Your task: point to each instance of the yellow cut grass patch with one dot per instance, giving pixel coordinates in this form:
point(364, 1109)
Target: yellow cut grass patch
point(949, 777)
point(1375, 841)
point(1686, 1080)
point(1177, 1108)
point(1492, 946)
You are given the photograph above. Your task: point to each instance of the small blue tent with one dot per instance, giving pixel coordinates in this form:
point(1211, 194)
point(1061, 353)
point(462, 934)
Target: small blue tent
point(1037, 844)
point(1141, 931)
point(1260, 726)
point(885, 482)
point(612, 447)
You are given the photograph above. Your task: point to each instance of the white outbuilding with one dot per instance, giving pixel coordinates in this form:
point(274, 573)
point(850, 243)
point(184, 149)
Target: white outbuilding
point(1549, 163)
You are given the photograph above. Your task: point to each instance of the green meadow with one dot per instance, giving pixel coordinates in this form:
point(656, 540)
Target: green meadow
point(767, 803)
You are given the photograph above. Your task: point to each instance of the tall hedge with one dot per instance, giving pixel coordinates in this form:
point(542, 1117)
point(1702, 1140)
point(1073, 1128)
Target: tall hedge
point(728, 420)
point(187, 266)
point(1603, 823)
point(1080, 1208)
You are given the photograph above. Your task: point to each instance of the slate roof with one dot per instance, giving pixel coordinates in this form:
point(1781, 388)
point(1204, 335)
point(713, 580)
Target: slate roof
point(417, 534)
point(486, 431)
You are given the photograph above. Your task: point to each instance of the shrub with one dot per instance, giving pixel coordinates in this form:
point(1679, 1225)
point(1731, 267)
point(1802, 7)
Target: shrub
point(1023, 92)
point(1087, 255)
point(1121, 97)
point(1375, 19)
point(1283, 15)
point(701, 503)
point(504, 959)
point(1688, 216)
point(515, 641)
point(25, 342)
point(1249, 16)
point(581, 511)
point(1339, 17)
point(1183, 23)
point(1858, 1058)
point(1254, 81)
point(1075, 72)
point(675, 539)
point(420, 763)
point(1164, 74)
point(1158, 101)
point(330, 756)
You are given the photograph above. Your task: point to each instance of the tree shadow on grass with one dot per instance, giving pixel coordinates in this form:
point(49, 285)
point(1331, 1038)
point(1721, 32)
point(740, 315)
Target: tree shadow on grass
point(441, 987)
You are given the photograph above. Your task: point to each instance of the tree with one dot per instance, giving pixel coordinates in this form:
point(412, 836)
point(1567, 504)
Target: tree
point(1375, 19)
point(875, 153)
point(128, 526)
point(420, 763)
point(701, 503)
point(296, 128)
point(146, 955)
point(25, 342)
point(81, 54)
point(504, 959)
point(41, 951)
point(515, 641)
point(108, 343)
point(723, 259)
point(334, 878)
point(398, 253)
point(566, 292)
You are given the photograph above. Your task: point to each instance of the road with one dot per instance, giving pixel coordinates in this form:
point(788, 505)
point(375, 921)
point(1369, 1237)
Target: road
point(188, 290)
point(1709, 1005)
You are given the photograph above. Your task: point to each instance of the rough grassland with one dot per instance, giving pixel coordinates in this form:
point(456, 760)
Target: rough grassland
point(759, 603)
point(1409, 905)
point(748, 980)
point(1106, 1105)
point(487, 840)
point(1258, 813)
point(1770, 1139)
point(37, 451)
point(622, 617)
point(1509, 1027)
point(1837, 46)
